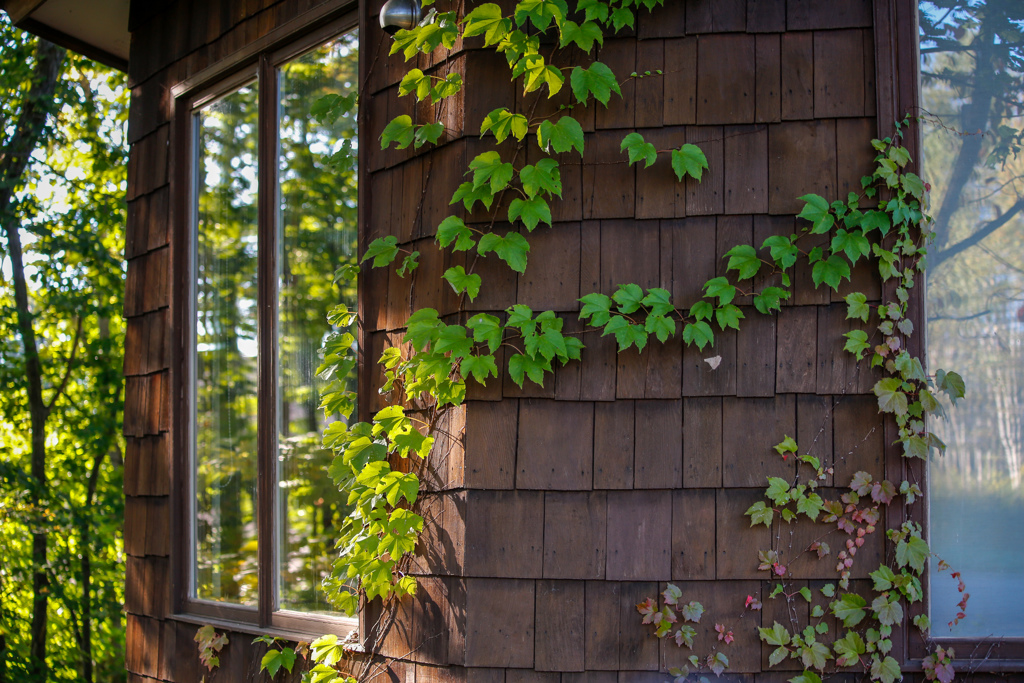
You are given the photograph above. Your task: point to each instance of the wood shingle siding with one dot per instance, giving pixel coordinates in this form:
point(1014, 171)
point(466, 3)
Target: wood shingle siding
point(552, 511)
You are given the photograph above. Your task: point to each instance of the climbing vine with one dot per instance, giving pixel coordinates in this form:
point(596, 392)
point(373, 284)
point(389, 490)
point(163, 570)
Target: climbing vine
point(380, 464)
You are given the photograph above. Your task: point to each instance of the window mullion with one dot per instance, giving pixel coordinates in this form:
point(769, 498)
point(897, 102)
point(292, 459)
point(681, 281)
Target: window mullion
point(267, 431)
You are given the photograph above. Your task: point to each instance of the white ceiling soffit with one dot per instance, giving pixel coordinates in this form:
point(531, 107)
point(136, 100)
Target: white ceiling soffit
point(94, 28)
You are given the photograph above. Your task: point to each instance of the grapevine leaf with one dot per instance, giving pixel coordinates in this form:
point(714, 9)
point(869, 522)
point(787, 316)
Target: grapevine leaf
point(689, 160)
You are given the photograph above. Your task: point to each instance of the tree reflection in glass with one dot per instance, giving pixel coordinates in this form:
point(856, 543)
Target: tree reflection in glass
point(225, 360)
point(317, 223)
point(972, 61)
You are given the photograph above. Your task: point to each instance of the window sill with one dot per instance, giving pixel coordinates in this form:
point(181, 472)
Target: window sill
point(347, 629)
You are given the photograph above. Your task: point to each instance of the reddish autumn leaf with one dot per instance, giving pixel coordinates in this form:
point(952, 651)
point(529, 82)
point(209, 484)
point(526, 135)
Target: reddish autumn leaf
point(752, 603)
point(648, 608)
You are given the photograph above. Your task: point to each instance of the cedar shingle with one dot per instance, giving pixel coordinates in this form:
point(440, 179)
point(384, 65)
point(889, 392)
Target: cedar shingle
point(491, 430)
point(805, 15)
point(724, 600)
point(694, 257)
point(749, 456)
point(609, 181)
point(613, 445)
point(768, 79)
point(630, 253)
point(504, 533)
point(666, 21)
point(814, 429)
point(639, 535)
point(802, 160)
point(638, 651)
point(797, 355)
point(681, 81)
point(859, 439)
point(714, 16)
point(707, 196)
point(738, 542)
point(746, 169)
point(699, 378)
point(650, 90)
point(725, 79)
point(621, 57)
point(755, 354)
point(499, 623)
point(560, 632)
point(658, 192)
point(575, 535)
point(838, 73)
point(693, 534)
point(702, 442)
point(550, 455)
point(142, 639)
point(797, 65)
point(602, 625)
point(839, 372)
point(552, 280)
point(658, 457)
point(766, 16)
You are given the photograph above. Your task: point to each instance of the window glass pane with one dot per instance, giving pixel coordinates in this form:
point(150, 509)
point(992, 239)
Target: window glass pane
point(971, 64)
point(225, 360)
point(317, 224)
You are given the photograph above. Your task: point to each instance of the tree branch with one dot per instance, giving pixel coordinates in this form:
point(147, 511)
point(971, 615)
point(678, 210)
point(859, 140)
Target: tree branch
point(979, 235)
point(67, 369)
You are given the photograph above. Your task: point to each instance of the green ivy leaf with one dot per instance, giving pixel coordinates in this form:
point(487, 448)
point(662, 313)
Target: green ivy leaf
point(382, 250)
point(415, 81)
point(487, 20)
point(597, 307)
point(692, 611)
point(689, 160)
point(541, 177)
point(659, 301)
point(430, 132)
point(912, 551)
point(831, 271)
point(885, 670)
point(856, 343)
point(743, 258)
point(854, 244)
point(760, 513)
point(951, 384)
point(512, 249)
point(470, 195)
point(720, 287)
point(400, 131)
point(597, 80)
point(782, 249)
point(488, 169)
point(563, 136)
point(729, 316)
point(698, 333)
point(770, 300)
point(660, 326)
point(274, 660)
point(487, 329)
point(629, 298)
point(876, 220)
point(622, 17)
point(596, 10)
point(409, 264)
point(584, 35)
point(639, 149)
point(463, 282)
point(327, 650)
point(521, 366)
point(850, 609)
point(857, 307)
point(816, 210)
point(806, 677)
point(891, 398)
point(503, 123)
point(848, 649)
point(541, 12)
point(888, 613)
point(480, 367)
point(532, 212)
point(454, 229)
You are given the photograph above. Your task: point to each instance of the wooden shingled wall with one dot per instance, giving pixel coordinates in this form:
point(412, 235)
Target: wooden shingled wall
point(554, 510)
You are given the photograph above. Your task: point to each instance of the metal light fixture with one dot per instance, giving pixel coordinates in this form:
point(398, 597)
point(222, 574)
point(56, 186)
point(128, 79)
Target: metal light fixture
point(399, 14)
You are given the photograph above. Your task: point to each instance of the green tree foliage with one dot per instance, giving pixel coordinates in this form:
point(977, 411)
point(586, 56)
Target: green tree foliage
point(62, 181)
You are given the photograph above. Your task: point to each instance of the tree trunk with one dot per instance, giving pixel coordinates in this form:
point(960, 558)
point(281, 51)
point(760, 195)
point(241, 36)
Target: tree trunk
point(13, 162)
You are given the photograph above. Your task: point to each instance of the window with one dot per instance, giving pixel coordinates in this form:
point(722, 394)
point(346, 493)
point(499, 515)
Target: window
point(972, 100)
point(269, 223)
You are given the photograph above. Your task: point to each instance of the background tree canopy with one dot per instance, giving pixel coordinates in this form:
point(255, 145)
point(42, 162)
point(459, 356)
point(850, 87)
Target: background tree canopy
point(62, 183)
